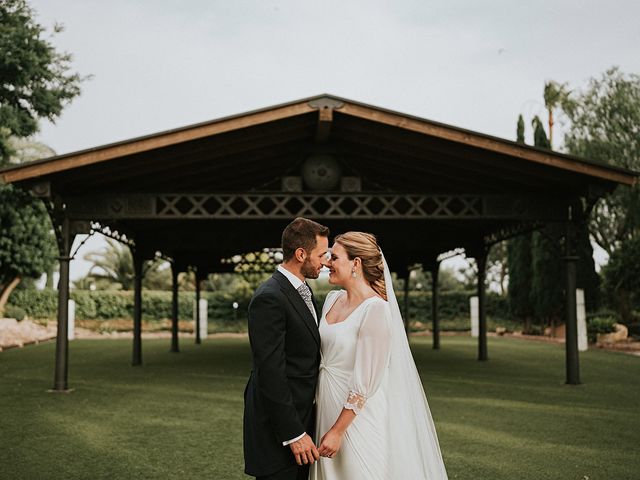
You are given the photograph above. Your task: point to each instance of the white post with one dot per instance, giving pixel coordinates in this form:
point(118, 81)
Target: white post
point(475, 315)
point(204, 326)
point(71, 330)
point(583, 343)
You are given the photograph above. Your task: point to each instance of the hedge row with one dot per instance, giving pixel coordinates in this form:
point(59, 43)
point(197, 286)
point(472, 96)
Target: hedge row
point(156, 305)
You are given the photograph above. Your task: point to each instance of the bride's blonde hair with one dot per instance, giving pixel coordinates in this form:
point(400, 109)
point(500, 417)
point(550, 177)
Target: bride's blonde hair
point(365, 246)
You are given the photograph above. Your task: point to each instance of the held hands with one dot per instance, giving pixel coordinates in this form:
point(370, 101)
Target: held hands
point(304, 450)
point(330, 443)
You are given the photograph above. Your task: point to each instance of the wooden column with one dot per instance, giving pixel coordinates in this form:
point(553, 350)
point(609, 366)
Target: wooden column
point(571, 330)
point(174, 308)
point(60, 383)
point(137, 307)
point(198, 280)
point(435, 321)
point(481, 260)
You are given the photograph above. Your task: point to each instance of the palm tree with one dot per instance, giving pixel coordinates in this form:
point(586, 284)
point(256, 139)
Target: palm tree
point(113, 265)
point(554, 94)
point(113, 269)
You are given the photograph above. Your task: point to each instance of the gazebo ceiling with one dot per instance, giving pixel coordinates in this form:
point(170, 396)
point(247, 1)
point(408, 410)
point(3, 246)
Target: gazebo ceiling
point(389, 152)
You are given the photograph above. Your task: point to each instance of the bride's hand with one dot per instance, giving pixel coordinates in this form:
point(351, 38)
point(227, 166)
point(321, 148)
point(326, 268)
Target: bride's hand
point(330, 443)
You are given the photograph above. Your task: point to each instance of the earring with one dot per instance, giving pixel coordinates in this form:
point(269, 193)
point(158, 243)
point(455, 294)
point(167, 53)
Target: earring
point(354, 274)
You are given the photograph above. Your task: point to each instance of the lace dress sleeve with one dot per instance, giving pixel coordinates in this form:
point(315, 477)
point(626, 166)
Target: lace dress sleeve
point(372, 355)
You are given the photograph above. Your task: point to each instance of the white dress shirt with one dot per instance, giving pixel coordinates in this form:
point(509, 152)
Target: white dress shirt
point(296, 282)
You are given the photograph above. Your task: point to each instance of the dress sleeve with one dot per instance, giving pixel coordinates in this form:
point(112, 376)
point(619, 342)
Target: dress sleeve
point(372, 355)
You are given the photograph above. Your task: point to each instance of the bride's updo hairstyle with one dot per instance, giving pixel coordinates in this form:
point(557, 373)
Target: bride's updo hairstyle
point(364, 246)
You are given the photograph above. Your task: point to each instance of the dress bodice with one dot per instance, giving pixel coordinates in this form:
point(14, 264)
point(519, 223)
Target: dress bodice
point(338, 340)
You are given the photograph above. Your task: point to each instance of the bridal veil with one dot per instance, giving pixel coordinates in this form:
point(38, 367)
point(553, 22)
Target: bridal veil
point(414, 442)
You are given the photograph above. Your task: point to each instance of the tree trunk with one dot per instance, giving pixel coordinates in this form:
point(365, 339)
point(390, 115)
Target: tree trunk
point(550, 129)
point(49, 284)
point(503, 279)
point(624, 306)
point(6, 291)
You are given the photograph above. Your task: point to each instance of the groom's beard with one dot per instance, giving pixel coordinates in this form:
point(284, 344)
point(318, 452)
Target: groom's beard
point(308, 270)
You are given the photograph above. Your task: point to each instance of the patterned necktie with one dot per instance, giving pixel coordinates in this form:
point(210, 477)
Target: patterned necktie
point(305, 293)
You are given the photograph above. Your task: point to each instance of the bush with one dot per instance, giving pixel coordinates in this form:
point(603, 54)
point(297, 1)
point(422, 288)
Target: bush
point(85, 304)
point(37, 303)
point(100, 305)
point(634, 330)
point(11, 311)
point(600, 324)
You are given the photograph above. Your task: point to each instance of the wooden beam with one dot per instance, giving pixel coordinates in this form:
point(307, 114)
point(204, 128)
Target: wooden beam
point(277, 205)
point(177, 175)
point(325, 119)
point(474, 160)
point(458, 175)
point(429, 178)
point(109, 152)
point(486, 143)
point(183, 159)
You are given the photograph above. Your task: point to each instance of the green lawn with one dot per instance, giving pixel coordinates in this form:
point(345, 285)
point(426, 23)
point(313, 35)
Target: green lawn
point(179, 416)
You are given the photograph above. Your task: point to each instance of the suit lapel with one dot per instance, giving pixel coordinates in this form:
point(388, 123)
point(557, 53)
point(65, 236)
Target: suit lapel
point(298, 304)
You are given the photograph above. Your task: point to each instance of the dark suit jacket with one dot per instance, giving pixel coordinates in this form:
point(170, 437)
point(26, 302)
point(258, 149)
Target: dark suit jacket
point(279, 397)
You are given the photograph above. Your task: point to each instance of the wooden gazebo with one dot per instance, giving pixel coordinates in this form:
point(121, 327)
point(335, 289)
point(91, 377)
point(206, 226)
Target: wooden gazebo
point(208, 191)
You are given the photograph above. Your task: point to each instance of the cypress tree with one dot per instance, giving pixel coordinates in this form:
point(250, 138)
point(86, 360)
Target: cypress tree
point(540, 139)
point(547, 283)
point(519, 262)
point(519, 266)
point(520, 130)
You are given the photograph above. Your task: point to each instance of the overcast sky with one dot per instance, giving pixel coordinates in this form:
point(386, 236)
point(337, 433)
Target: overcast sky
point(161, 64)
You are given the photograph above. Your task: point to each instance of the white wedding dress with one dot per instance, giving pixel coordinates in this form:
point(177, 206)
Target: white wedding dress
point(366, 366)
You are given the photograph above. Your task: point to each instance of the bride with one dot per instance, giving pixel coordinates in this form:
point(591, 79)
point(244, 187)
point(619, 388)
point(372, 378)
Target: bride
point(373, 420)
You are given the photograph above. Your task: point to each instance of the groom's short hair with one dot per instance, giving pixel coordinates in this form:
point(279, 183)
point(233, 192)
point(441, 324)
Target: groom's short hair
point(301, 233)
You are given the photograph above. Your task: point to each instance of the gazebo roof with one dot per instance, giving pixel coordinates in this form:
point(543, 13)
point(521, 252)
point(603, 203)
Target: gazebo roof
point(252, 152)
point(364, 135)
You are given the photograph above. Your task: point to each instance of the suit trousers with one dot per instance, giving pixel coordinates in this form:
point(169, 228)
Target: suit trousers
point(289, 473)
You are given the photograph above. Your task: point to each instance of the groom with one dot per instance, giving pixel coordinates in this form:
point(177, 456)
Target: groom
point(279, 410)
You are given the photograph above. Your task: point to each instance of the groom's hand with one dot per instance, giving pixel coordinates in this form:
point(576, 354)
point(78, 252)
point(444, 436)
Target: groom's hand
point(304, 450)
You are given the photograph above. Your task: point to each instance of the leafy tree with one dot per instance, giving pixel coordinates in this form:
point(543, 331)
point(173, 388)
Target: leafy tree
point(536, 273)
point(27, 150)
point(586, 276)
point(27, 243)
point(497, 266)
point(36, 82)
point(496, 270)
point(605, 126)
point(36, 78)
point(447, 279)
point(622, 277)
